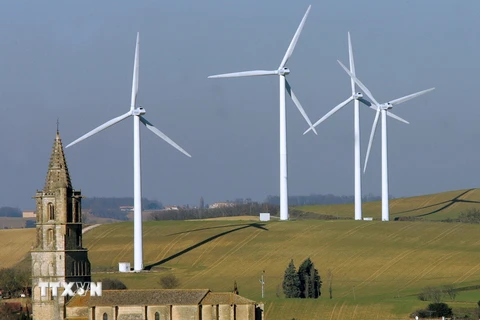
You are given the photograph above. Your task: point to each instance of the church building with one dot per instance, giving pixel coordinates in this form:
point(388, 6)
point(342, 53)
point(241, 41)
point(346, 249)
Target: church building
point(58, 256)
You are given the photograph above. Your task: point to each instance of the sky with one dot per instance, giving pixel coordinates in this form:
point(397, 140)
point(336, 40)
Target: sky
point(73, 60)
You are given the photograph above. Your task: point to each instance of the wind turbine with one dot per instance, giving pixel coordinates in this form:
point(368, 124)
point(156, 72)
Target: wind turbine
point(137, 113)
point(382, 108)
point(281, 72)
point(356, 97)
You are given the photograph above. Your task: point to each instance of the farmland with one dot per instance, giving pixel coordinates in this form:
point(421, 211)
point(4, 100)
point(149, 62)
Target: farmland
point(433, 207)
point(377, 268)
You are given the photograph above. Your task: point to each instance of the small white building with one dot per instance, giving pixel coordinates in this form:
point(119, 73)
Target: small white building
point(264, 216)
point(124, 266)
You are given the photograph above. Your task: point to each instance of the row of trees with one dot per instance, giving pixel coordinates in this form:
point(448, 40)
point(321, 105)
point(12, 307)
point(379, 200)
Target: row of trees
point(320, 199)
point(10, 212)
point(305, 283)
point(249, 209)
point(253, 208)
point(437, 294)
point(14, 281)
point(110, 207)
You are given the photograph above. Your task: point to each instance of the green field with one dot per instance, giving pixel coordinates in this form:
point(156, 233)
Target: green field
point(378, 267)
point(433, 207)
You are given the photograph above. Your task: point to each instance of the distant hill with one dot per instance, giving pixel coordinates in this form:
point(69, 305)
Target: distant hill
point(109, 208)
point(438, 206)
point(377, 268)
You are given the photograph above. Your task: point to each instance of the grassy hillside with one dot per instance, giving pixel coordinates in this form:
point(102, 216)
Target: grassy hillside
point(378, 268)
point(15, 244)
point(437, 206)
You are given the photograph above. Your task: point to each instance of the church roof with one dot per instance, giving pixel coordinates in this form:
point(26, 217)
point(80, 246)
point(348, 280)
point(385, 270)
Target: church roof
point(141, 297)
point(214, 298)
point(57, 175)
point(158, 297)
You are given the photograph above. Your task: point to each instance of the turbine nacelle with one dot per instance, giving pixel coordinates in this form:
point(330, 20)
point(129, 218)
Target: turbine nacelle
point(283, 71)
point(386, 106)
point(357, 95)
point(138, 111)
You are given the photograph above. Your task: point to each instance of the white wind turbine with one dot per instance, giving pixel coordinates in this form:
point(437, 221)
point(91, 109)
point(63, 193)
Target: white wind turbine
point(382, 109)
point(281, 72)
point(136, 113)
point(356, 97)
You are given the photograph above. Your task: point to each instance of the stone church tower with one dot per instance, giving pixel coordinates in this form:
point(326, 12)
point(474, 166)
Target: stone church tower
point(58, 254)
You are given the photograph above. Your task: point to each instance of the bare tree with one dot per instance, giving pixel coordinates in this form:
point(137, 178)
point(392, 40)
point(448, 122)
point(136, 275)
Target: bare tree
point(330, 279)
point(450, 290)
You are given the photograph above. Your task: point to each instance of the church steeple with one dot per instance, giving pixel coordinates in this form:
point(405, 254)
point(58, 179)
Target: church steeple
point(57, 175)
point(58, 255)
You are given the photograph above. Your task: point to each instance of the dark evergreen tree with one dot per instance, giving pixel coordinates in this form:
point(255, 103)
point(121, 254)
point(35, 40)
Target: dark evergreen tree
point(440, 309)
point(309, 278)
point(291, 283)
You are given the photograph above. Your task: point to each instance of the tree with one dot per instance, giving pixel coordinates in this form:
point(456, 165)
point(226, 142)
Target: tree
point(440, 309)
point(235, 288)
point(310, 282)
point(450, 291)
point(169, 281)
point(9, 281)
point(291, 282)
point(431, 294)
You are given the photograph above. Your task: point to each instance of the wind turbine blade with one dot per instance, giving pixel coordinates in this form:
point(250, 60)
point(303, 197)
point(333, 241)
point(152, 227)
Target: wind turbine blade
point(299, 106)
point(410, 96)
point(372, 134)
point(135, 73)
point(246, 74)
point(159, 133)
point(366, 102)
point(359, 83)
point(331, 112)
point(102, 127)
point(352, 63)
point(293, 43)
point(397, 117)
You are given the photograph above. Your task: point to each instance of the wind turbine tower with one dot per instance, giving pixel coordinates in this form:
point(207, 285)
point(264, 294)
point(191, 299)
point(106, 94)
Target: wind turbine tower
point(382, 108)
point(137, 113)
point(281, 72)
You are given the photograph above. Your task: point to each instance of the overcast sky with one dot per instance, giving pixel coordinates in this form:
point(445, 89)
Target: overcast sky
point(73, 60)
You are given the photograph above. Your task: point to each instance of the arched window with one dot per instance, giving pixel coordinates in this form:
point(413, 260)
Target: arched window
point(105, 316)
point(51, 211)
point(50, 236)
point(157, 316)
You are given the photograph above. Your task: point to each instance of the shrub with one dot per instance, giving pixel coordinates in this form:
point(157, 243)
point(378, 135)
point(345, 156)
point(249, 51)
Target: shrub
point(471, 215)
point(169, 281)
point(431, 294)
point(440, 309)
point(112, 284)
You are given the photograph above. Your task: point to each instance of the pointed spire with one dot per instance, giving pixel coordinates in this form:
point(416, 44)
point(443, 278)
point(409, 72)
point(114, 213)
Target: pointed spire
point(57, 175)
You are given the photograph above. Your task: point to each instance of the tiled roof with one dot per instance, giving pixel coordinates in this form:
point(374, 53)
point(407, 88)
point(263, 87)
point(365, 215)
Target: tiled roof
point(214, 298)
point(141, 297)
